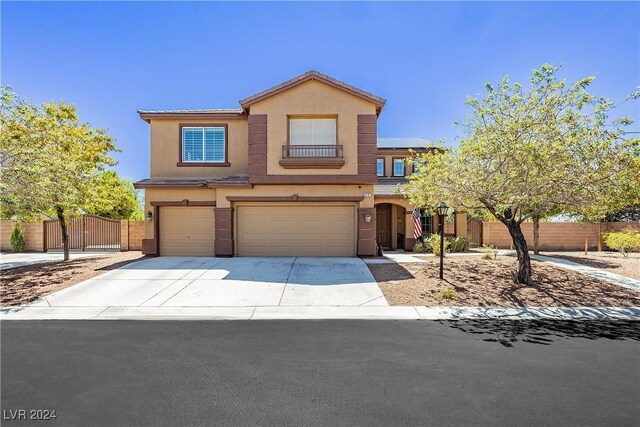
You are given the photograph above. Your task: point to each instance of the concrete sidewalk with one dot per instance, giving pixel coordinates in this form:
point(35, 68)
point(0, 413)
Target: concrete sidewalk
point(41, 312)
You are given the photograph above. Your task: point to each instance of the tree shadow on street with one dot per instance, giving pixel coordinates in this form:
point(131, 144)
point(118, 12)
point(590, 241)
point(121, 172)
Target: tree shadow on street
point(545, 332)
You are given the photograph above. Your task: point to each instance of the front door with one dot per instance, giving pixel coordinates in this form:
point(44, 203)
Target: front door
point(383, 225)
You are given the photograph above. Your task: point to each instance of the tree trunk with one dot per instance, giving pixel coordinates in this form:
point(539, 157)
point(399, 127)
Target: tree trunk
point(586, 238)
point(536, 234)
point(65, 235)
point(519, 242)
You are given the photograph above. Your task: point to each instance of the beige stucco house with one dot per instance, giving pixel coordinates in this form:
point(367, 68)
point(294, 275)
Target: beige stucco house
point(298, 170)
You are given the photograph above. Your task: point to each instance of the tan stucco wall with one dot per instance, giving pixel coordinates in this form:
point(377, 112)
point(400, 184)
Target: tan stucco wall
point(388, 163)
point(309, 99)
point(165, 140)
point(173, 195)
point(219, 195)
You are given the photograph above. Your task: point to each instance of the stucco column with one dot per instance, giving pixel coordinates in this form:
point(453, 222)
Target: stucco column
point(366, 232)
point(409, 240)
point(223, 246)
point(461, 223)
point(124, 235)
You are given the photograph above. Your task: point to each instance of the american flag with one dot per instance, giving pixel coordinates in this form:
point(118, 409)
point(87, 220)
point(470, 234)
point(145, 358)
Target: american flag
point(417, 224)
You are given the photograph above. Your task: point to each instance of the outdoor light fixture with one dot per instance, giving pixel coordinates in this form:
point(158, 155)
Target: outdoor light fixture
point(442, 211)
point(367, 217)
point(149, 216)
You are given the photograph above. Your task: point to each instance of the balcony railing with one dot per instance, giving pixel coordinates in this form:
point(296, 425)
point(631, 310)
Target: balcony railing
point(311, 151)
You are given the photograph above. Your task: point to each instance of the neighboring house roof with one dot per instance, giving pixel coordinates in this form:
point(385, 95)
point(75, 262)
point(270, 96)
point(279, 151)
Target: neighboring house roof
point(313, 75)
point(404, 143)
point(388, 186)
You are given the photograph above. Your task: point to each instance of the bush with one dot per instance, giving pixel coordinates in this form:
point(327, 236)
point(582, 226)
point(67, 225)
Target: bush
point(489, 252)
point(17, 238)
point(460, 244)
point(624, 241)
point(433, 242)
point(421, 247)
point(447, 294)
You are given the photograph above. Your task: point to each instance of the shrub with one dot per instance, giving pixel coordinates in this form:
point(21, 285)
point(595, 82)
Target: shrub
point(434, 242)
point(421, 247)
point(447, 294)
point(17, 238)
point(460, 244)
point(624, 241)
point(489, 251)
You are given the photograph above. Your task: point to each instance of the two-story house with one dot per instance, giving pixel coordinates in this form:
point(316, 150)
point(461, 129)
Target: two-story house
point(298, 170)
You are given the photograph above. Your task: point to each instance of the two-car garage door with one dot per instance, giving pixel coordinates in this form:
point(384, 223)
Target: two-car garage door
point(296, 230)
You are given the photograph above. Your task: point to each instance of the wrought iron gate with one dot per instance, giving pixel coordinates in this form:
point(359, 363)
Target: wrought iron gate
point(87, 233)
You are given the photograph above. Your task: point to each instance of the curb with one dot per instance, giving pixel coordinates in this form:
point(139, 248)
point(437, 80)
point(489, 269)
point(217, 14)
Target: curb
point(318, 313)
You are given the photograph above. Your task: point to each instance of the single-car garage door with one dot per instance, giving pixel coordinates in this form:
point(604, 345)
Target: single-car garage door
point(296, 230)
point(186, 231)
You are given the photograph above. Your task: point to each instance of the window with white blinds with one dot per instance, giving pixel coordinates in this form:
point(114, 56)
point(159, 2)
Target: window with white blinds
point(203, 144)
point(312, 131)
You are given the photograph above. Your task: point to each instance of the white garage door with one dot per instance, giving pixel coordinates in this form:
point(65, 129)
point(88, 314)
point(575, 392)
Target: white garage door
point(187, 231)
point(296, 230)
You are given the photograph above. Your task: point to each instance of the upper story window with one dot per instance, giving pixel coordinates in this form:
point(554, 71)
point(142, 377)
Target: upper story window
point(203, 144)
point(313, 137)
point(380, 166)
point(398, 167)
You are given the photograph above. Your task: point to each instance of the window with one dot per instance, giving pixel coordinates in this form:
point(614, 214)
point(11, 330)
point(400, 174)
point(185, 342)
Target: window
point(398, 167)
point(312, 132)
point(425, 221)
point(380, 167)
point(203, 144)
point(417, 163)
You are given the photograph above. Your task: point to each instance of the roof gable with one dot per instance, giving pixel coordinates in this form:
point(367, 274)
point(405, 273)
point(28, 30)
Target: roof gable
point(314, 75)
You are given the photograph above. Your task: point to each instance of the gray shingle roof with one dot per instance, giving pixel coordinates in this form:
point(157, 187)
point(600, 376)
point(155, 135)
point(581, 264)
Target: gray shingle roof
point(387, 186)
point(404, 143)
point(193, 111)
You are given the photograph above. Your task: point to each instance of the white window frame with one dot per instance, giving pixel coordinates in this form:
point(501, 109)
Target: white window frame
point(224, 146)
point(404, 167)
point(380, 160)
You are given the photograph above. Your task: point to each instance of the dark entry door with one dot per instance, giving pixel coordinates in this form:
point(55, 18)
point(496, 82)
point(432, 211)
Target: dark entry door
point(383, 225)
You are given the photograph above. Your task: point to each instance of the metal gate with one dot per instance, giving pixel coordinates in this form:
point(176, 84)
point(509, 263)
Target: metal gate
point(474, 231)
point(87, 233)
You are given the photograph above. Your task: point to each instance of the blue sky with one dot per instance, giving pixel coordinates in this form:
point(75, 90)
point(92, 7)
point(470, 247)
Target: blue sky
point(110, 59)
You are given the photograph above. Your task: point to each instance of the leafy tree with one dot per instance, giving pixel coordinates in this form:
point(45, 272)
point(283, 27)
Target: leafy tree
point(113, 197)
point(49, 160)
point(531, 154)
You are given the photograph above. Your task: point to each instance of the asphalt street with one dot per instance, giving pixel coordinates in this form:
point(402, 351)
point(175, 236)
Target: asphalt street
point(351, 373)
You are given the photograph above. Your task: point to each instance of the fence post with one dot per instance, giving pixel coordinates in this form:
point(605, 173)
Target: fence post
point(124, 235)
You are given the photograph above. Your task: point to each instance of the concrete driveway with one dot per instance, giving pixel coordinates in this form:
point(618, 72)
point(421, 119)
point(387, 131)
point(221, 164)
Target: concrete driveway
point(227, 282)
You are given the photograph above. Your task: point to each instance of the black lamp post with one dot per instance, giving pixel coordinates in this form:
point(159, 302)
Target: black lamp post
point(442, 211)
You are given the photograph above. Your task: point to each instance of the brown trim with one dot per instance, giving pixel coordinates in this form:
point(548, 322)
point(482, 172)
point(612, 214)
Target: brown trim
point(139, 185)
point(312, 163)
point(313, 75)
point(184, 202)
point(295, 198)
point(228, 185)
point(156, 228)
point(223, 244)
point(393, 167)
point(384, 167)
point(226, 163)
point(147, 117)
point(202, 164)
point(388, 196)
point(257, 145)
point(402, 151)
point(366, 233)
point(313, 179)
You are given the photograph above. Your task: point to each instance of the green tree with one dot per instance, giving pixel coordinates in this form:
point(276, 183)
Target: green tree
point(49, 159)
point(531, 154)
point(113, 197)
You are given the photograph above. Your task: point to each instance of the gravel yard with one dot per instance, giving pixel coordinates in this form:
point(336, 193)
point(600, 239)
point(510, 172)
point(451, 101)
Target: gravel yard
point(477, 282)
point(612, 262)
point(21, 285)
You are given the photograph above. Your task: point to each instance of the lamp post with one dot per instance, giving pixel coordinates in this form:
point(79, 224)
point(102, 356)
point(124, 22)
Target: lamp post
point(442, 211)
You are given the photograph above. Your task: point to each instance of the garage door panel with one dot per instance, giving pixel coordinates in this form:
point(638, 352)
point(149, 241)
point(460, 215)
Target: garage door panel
point(187, 231)
point(296, 230)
